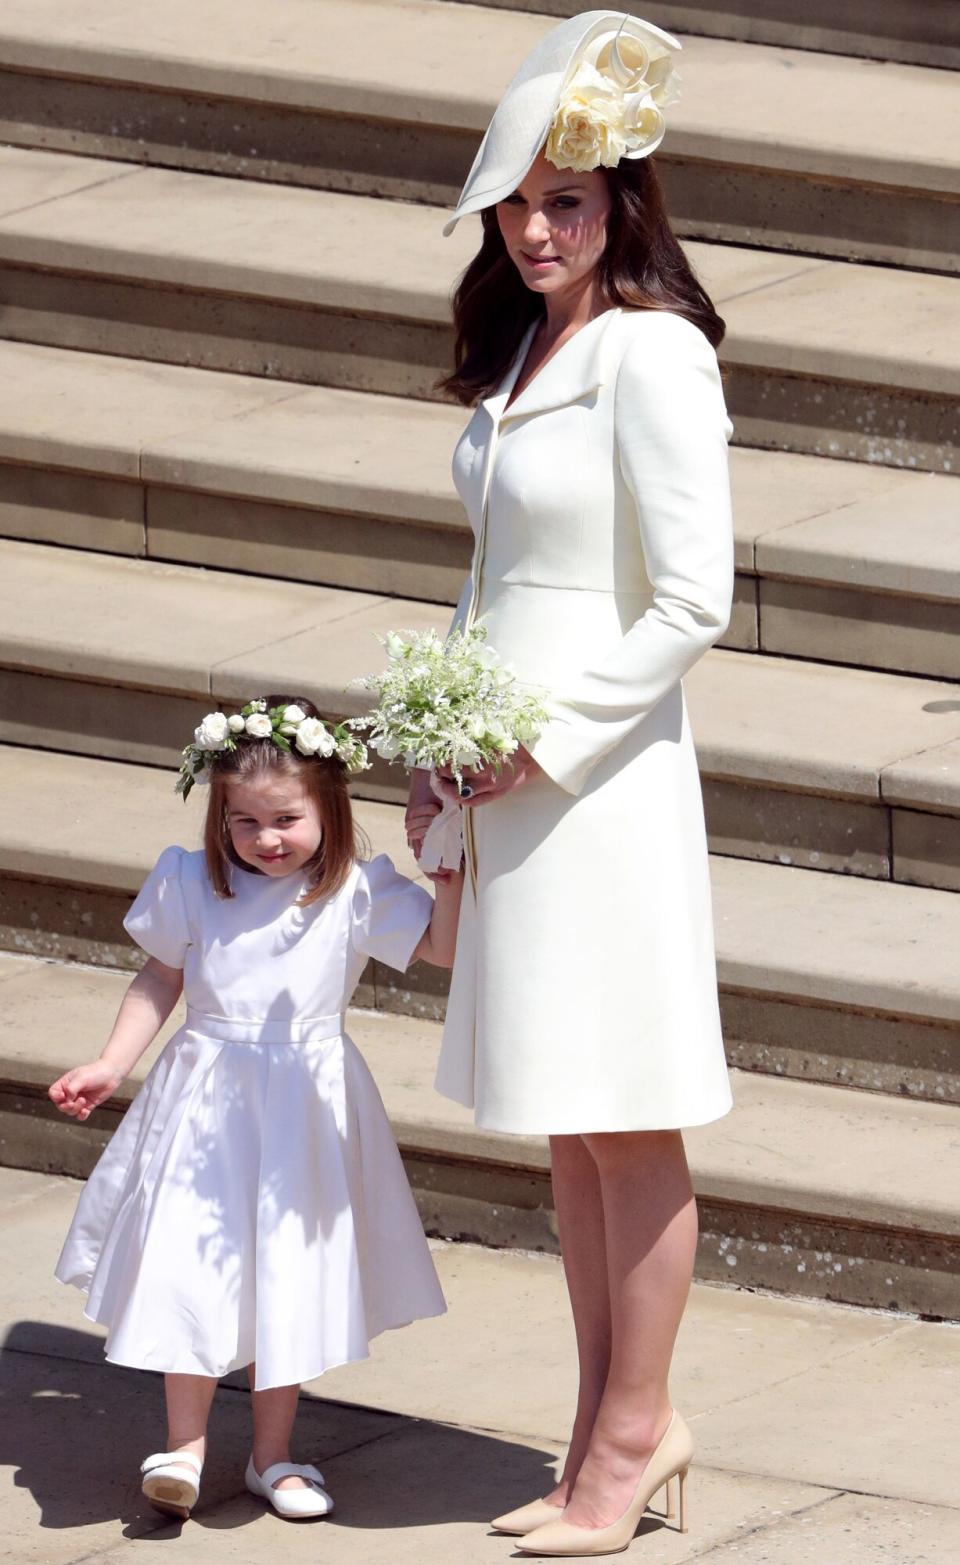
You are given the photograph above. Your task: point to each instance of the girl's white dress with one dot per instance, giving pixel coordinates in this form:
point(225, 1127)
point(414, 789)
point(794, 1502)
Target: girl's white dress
point(252, 1206)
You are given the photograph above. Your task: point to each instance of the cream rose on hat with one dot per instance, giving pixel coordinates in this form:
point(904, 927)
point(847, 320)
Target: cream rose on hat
point(590, 93)
point(589, 126)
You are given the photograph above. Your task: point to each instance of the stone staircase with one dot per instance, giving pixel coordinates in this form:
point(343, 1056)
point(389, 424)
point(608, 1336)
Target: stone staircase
point(224, 468)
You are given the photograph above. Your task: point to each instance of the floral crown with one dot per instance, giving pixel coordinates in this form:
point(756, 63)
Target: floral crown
point(612, 106)
point(287, 726)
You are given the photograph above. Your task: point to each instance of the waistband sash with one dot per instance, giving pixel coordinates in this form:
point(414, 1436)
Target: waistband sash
point(300, 1029)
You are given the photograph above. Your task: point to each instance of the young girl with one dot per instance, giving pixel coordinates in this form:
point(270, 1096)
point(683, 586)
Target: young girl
point(252, 1209)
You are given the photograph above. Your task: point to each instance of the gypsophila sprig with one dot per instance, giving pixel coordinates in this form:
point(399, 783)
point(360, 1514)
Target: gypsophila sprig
point(448, 703)
point(288, 727)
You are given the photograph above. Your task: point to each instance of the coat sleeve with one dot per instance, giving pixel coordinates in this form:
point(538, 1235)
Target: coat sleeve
point(671, 431)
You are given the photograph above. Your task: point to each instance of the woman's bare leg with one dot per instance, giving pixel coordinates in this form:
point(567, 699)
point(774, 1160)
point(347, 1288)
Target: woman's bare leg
point(650, 1223)
point(274, 1412)
point(579, 1207)
point(189, 1399)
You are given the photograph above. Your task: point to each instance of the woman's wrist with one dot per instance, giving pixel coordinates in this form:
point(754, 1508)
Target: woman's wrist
point(420, 791)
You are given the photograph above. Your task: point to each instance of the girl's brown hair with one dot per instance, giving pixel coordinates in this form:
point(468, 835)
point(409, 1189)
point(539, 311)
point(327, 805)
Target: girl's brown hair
point(325, 779)
point(642, 268)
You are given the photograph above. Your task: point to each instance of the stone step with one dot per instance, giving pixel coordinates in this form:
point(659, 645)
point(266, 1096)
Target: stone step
point(349, 489)
point(769, 146)
point(805, 1189)
point(99, 652)
point(285, 283)
point(829, 978)
point(925, 34)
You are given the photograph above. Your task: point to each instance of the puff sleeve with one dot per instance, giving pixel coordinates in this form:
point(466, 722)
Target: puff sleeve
point(671, 430)
point(157, 921)
point(390, 913)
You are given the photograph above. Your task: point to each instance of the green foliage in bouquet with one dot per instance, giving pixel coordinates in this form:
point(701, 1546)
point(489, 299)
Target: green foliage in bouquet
point(448, 703)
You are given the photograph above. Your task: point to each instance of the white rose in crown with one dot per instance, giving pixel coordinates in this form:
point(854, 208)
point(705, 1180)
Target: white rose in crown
point(588, 128)
point(314, 738)
point(212, 733)
point(294, 714)
point(258, 725)
point(236, 723)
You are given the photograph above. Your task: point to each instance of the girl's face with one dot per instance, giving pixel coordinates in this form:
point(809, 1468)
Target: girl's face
point(274, 823)
point(554, 226)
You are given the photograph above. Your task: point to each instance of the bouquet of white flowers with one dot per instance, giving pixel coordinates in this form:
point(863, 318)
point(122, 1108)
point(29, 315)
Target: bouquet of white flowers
point(448, 703)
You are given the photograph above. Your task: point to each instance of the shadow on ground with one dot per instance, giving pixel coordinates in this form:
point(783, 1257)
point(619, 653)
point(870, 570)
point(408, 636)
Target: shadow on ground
point(75, 1430)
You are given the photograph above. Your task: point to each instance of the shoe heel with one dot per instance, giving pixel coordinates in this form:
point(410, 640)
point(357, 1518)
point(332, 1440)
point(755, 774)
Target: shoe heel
point(668, 1509)
point(682, 1486)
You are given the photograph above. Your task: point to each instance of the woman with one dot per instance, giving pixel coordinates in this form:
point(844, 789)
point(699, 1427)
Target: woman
point(583, 1003)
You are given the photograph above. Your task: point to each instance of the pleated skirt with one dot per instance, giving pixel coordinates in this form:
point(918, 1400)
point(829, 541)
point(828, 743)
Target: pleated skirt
point(251, 1208)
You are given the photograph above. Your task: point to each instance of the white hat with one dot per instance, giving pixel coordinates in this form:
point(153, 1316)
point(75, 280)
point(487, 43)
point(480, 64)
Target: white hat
point(595, 85)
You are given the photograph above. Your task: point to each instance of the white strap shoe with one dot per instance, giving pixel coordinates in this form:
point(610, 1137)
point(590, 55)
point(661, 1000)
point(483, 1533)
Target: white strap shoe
point(294, 1504)
point(167, 1486)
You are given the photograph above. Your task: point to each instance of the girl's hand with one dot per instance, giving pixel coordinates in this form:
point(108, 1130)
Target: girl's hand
point(489, 783)
point(422, 806)
point(82, 1090)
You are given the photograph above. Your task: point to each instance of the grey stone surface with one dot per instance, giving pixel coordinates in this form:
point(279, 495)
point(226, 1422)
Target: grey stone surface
point(450, 1418)
point(909, 635)
point(901, 539)
point(75, 509)
point(932, 777)
point(926, 849)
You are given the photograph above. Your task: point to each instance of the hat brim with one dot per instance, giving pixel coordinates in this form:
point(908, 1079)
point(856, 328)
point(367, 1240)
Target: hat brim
point(524, 115)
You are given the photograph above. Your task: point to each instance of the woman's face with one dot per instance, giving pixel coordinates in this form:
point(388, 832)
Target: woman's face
point(554, 226)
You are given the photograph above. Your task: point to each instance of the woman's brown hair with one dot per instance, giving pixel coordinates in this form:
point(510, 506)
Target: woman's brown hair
point(642, 268)
point(325, 779)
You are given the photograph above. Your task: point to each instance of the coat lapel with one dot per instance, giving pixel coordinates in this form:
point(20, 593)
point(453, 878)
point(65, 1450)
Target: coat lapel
point(577, 370)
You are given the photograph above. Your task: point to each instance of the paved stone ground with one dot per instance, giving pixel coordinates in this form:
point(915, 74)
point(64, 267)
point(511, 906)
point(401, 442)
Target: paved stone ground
point(825, 1434)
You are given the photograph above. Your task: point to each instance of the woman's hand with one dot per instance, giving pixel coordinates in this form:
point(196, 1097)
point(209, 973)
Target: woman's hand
point(490, 783)
point(82, 1090)
point(422, 807)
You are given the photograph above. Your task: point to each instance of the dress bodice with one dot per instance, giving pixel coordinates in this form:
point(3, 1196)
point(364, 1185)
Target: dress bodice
point(260, 960)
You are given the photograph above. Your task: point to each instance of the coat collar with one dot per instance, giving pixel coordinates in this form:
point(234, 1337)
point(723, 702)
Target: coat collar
point(576, 370)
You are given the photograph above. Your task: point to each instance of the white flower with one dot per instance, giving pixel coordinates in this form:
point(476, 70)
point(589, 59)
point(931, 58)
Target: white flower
point(663, 81)
point(395, 644)
point(314, 738)
point(387, 747)
point(625, 60)
point(236, 723)
point(259, 726)
point(643, 123)
point(294, 714)
point(212, 733)
point(588, 127)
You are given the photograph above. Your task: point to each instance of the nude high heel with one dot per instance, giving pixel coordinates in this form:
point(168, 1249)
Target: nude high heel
point(526, 1517)
point(671, 1459)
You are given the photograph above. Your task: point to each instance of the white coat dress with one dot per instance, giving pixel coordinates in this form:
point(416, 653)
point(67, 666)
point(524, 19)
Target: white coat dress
point(252, 1206)
point(584, 994)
